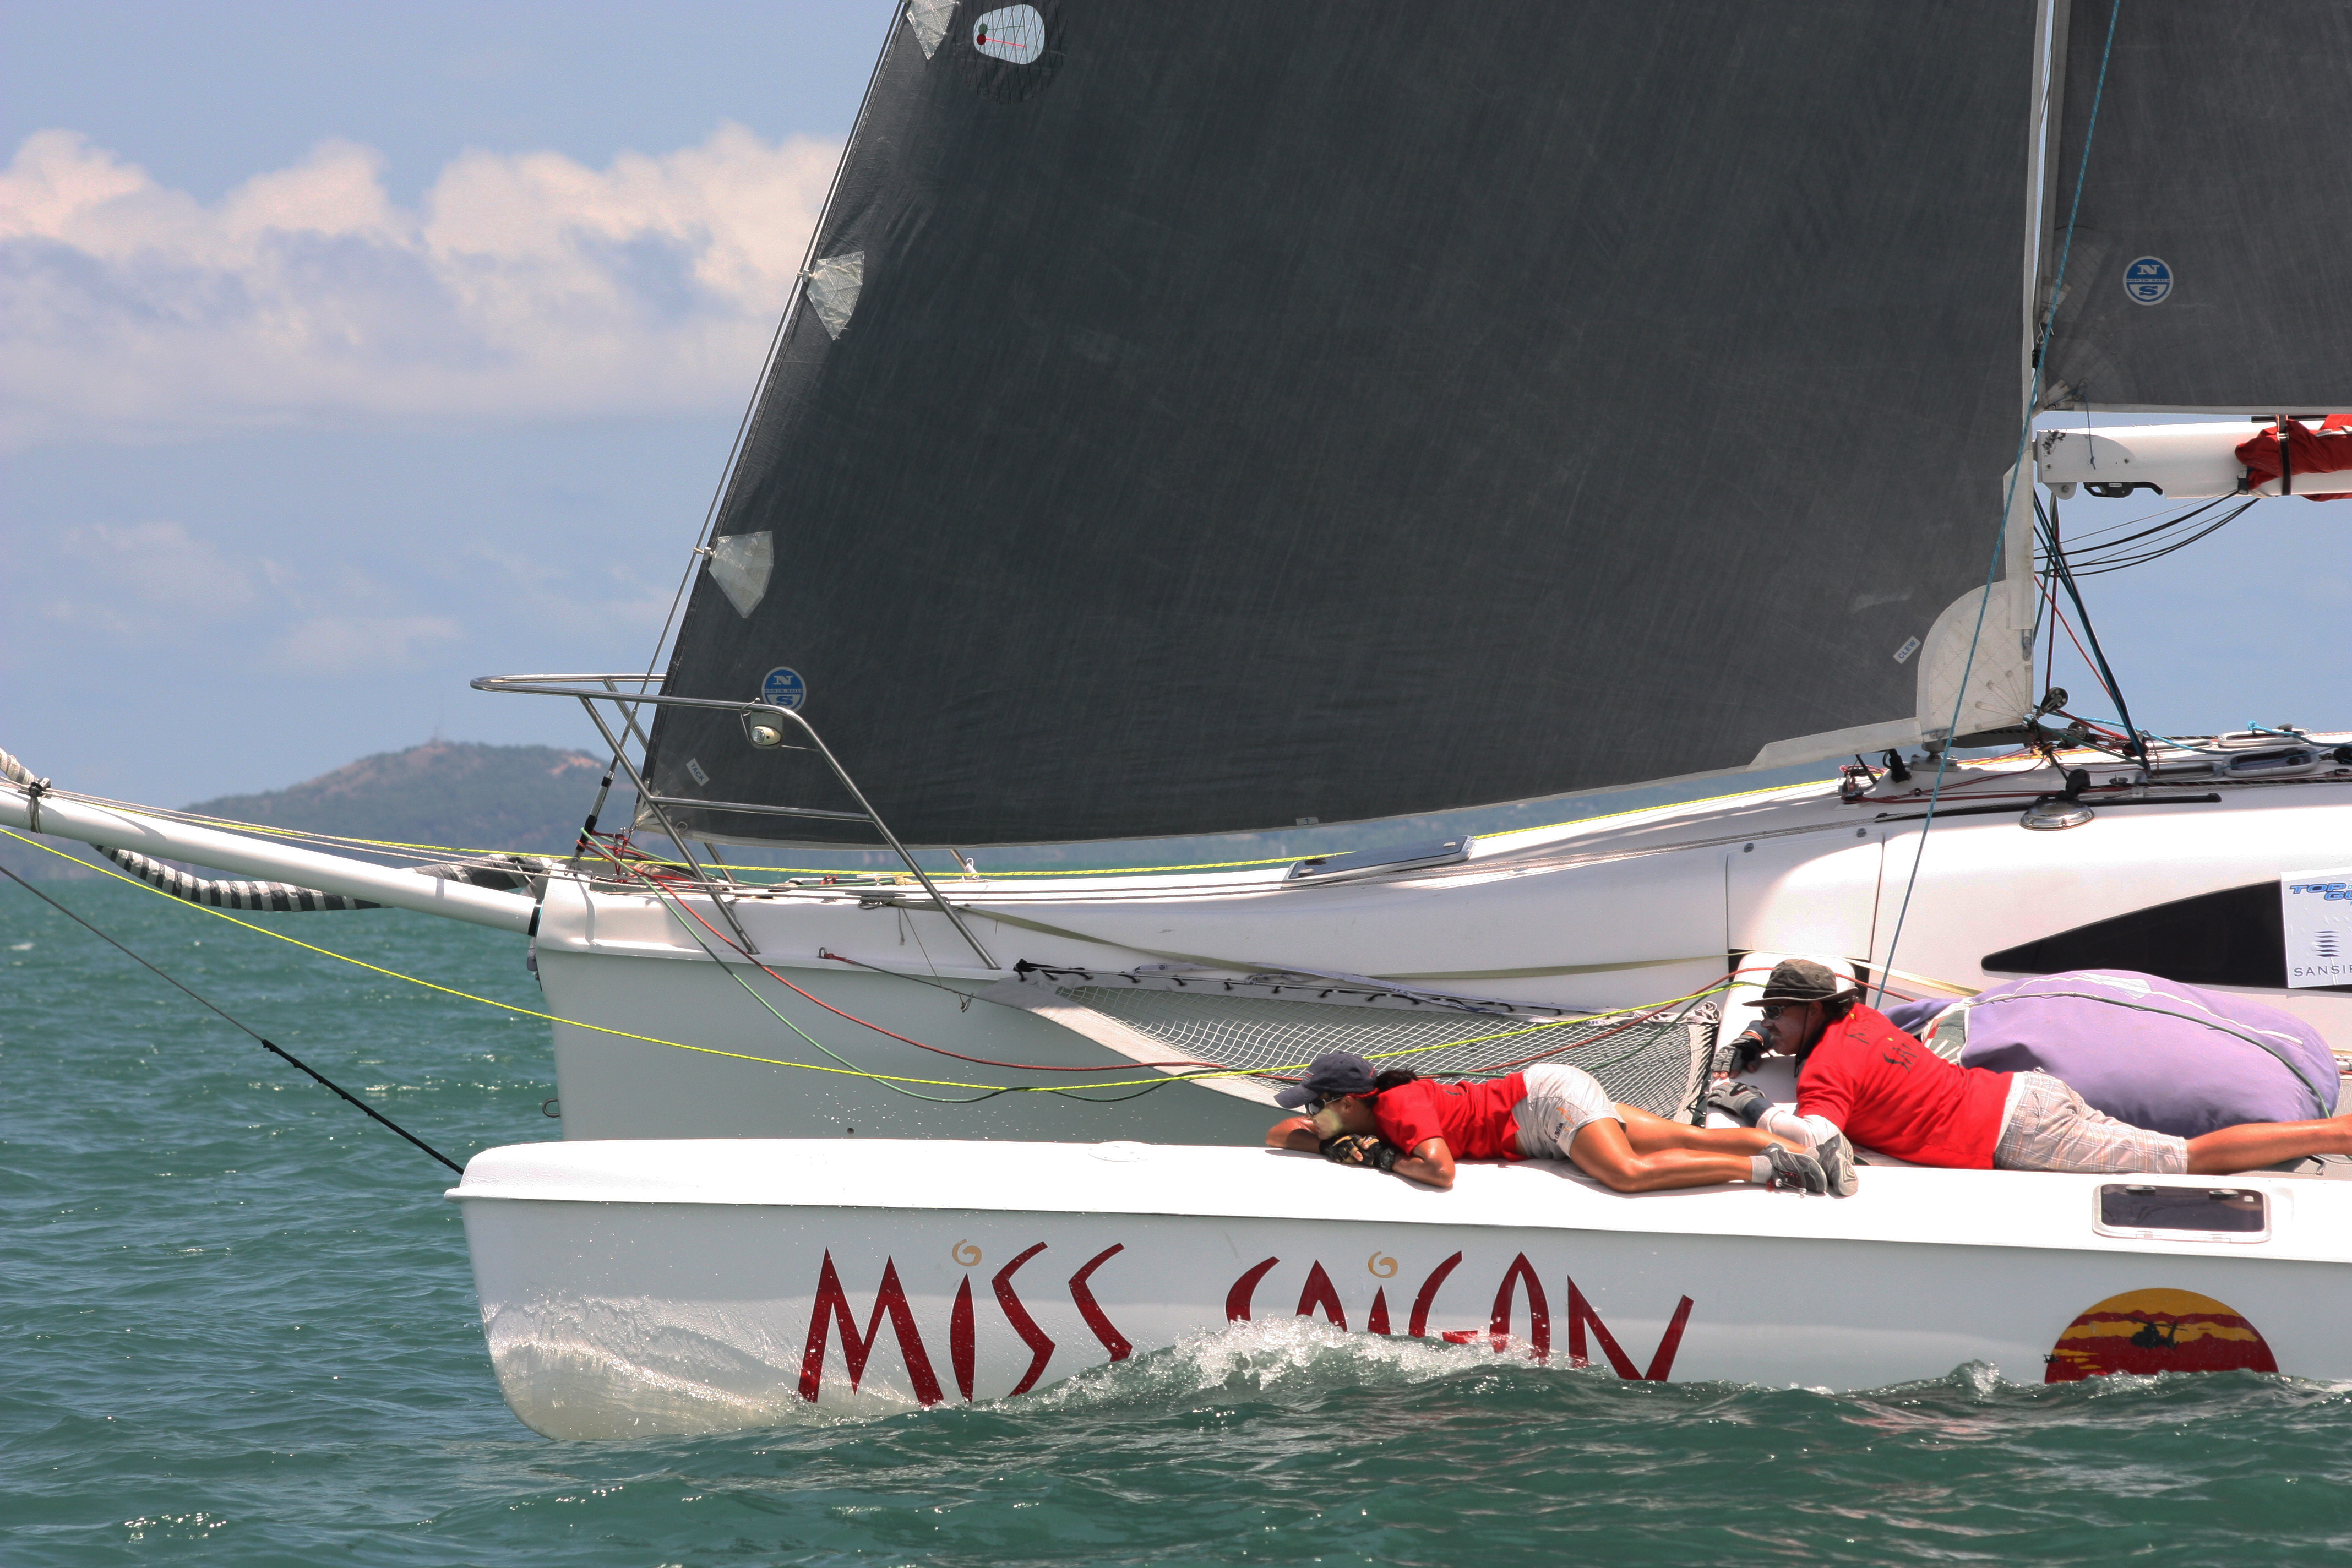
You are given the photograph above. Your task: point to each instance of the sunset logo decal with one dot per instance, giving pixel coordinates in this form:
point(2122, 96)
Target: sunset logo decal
point(2148, 1331)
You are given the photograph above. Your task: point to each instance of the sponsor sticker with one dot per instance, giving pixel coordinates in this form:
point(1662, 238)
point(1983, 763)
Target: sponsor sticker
point(2316, 910)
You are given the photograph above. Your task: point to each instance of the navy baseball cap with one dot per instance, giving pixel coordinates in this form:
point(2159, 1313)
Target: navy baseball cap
point(1330, 1075)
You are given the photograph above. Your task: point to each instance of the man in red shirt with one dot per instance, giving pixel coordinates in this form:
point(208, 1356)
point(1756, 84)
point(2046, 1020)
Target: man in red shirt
point(1417, 1127)
point(1859, 1074)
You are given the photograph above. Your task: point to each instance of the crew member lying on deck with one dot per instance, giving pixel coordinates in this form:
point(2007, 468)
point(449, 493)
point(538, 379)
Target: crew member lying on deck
point(1417, 1128)
point(1859, 1074)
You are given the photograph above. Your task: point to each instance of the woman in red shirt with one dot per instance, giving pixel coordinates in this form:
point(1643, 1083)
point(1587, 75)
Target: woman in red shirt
point(1417, 1127)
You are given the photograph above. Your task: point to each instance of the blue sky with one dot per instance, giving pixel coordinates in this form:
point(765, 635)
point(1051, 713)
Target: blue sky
point(354, 350)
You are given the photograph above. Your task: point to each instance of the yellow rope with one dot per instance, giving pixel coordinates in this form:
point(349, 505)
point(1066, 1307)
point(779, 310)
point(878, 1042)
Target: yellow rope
point(509, 1006)
point(812, 1067)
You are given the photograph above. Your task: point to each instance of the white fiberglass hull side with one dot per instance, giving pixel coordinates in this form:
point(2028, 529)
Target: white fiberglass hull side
point(640, 1288)
point(613, 1087)
point(1628, 914)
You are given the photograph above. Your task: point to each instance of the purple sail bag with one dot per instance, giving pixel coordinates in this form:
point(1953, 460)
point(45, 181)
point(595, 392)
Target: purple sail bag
point(2154, 1052)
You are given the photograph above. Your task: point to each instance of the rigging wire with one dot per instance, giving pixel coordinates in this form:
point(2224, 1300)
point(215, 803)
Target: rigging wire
point(2098, 654)
point(468, 996)
point(680, 906)
point(2009, 500)
point(265, 1043)
point(1142, 1085)
point(990, 1091)
point(2092, 552)
point(2099, 564)
point(2097, 537)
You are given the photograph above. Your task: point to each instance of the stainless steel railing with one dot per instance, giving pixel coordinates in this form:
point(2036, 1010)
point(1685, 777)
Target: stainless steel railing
point(592, 689)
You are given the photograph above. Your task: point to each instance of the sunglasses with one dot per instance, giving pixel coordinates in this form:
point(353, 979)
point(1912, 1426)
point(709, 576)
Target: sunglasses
point(1774, 1009)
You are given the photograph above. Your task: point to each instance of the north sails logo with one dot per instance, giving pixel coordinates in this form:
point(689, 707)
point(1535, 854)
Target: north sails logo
point(2147, 280)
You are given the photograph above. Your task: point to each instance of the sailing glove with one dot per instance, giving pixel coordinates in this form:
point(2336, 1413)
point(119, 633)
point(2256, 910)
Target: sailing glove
point(1742, 1102)
point(1745, 1049)
point(1361, 1149)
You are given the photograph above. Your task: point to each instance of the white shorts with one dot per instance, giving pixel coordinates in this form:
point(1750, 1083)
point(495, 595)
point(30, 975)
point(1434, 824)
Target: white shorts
point(1560, 1102)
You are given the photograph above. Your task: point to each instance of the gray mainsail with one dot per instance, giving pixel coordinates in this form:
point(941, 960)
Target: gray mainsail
point(1212, 417)
point(2212, 261)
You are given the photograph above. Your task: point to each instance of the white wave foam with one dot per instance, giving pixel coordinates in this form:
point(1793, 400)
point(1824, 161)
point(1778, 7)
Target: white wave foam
point(1285, 1356)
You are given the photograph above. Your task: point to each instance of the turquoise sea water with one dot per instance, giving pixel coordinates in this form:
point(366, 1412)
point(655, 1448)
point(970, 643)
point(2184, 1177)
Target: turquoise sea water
point(239, 1327)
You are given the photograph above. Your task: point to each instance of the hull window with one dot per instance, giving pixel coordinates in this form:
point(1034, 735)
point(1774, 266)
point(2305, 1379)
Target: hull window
point(2234, 937)
point(2183, 1213)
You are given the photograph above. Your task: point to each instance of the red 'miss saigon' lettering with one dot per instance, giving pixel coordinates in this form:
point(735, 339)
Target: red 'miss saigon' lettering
point(1581, 1316)
point(1584, 1325)
point(832, 1309)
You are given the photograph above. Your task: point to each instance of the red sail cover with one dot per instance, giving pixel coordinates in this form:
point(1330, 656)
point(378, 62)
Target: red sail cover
point(2326, 450)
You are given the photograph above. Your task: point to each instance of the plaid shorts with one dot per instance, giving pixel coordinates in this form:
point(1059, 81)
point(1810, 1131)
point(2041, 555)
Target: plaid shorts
point(2051, 1128)
point(1560, 1102)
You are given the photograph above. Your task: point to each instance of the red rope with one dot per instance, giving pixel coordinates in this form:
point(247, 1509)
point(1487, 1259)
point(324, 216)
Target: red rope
point(937, 1050)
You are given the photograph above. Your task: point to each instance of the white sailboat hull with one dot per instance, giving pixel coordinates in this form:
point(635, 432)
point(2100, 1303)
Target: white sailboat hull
point(640, 1288)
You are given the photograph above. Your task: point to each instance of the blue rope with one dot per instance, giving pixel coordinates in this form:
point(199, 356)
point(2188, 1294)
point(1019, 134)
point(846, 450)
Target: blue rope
point(2009, 500)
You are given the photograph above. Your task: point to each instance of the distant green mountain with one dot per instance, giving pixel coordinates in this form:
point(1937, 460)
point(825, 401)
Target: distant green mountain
point(462, 793)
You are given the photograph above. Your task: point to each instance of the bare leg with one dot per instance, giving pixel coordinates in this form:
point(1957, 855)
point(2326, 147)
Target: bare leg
point(1602, 1151)
point(1651, 1134)
point(2251, 1145)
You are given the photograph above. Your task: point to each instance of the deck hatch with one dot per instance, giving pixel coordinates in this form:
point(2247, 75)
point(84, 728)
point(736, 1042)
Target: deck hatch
point(2149, 1213)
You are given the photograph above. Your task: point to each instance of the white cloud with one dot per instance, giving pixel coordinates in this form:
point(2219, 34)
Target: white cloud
point(339, 644)
point(148, 584)
point(157, 564)
point(522, 286)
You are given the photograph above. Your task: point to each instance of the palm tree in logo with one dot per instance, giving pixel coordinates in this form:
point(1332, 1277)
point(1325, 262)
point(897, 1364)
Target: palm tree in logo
point(2151, 1338)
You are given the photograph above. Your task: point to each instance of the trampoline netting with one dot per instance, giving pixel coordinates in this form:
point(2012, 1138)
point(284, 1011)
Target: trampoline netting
point(1658, 1061)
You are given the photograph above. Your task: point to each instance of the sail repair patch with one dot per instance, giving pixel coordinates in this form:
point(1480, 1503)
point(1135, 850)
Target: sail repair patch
point(2147, 280)
point(784, 687)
